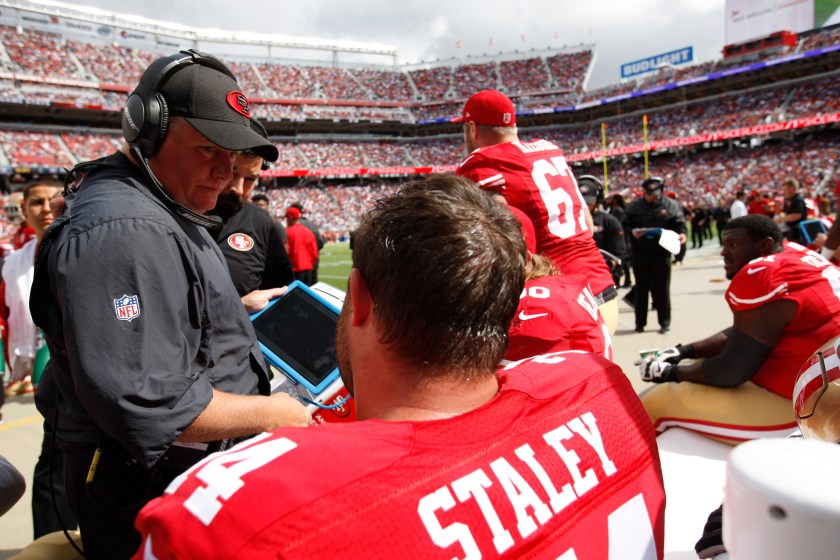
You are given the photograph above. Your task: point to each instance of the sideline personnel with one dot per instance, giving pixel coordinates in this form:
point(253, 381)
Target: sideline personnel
point(534, 177)
point(651, 262)
point(784, 303)
point(249, 239)
point(151, 347)
point(450, 458)
point(607, 230)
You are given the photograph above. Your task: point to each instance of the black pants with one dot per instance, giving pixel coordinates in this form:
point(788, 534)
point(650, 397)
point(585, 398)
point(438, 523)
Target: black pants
point(697, 233)
point(308, 277)
point(653, 275)
point(720, 226)
point(106, 508)
point(45, 520)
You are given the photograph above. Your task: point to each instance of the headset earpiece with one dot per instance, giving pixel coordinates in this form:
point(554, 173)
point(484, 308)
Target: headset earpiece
point(145, 118)
point(163, 125)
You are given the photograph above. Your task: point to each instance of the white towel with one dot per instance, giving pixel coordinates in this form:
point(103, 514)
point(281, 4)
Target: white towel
point(18, 272)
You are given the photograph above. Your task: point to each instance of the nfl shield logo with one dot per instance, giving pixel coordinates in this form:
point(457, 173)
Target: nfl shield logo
point(127, 307)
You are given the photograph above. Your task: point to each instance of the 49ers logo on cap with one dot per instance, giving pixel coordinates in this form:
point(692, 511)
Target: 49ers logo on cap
point(239, 103)
point(240, 241)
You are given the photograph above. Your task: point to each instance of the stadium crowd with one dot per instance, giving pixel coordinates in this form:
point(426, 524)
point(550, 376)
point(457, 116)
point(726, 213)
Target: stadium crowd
point(740, 109)
point(694, 176)
point(549, 80)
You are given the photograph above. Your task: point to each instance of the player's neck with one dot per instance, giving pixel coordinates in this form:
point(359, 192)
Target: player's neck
point(428, 400)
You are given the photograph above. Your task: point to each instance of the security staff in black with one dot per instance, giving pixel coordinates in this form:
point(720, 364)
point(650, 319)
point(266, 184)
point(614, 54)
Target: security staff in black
point(608, 231)
point(248, 237)
point(794, 211)
point(651, 262)
point(152, 353)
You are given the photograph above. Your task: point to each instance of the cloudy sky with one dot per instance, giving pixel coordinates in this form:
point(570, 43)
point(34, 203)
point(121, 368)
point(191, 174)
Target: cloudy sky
point(425, 30)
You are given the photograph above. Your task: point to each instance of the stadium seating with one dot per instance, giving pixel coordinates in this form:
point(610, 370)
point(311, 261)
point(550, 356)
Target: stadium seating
point(386, 85)
point(39, 53)
point(48, 70)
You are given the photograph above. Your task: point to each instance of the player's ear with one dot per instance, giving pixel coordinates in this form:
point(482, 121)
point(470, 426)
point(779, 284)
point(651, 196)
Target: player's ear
point(473, 129)
point(766, 246)
point(360, 301)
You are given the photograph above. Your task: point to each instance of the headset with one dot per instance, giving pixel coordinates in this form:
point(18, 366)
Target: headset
point(599, 188)
point(145, 119)
point(658, 180)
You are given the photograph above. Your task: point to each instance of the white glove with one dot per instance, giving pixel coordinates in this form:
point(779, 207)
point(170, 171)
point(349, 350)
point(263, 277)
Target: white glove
point(657, 371)
point(670, 355)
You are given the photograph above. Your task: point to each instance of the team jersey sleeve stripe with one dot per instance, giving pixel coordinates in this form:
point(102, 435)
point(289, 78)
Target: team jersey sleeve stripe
point(492, 181)
point(761, 299)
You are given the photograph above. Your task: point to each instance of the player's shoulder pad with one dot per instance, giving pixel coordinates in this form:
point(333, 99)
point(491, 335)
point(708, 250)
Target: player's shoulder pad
point(549, 375)
point(474, 158)
point(756, 283)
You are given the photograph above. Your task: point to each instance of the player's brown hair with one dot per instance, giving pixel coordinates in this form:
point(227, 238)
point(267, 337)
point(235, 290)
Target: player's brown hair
point(42, 182)
point(445, 265)
point(540, 267)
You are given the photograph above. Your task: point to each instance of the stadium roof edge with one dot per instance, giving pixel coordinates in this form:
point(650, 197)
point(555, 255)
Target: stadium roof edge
point(137, 23)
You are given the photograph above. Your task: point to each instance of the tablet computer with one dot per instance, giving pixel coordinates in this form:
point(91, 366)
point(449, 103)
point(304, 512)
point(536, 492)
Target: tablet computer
point(296, 333)
point(810, 229)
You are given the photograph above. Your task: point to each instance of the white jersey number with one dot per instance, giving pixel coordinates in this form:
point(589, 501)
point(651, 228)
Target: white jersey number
point(223, 474)
point(553, 179)
point(629, 531)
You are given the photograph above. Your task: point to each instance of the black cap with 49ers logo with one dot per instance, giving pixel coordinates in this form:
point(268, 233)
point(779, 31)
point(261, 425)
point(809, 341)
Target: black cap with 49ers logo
point(213, 104)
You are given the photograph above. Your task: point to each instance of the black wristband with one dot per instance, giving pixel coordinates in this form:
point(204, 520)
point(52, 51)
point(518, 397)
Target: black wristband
point(686, 352)
point(670, 374)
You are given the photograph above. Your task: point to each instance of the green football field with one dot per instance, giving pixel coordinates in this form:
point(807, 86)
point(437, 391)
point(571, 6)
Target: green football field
point(335, 265)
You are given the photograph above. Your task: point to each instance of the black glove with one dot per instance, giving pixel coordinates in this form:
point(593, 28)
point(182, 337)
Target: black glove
point(711, 543)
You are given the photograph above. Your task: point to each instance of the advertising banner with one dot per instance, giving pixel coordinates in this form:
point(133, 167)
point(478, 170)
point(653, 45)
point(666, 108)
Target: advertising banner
point(651, 63)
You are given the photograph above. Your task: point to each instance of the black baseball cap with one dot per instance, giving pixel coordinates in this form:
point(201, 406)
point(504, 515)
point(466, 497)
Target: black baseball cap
point(213, 104)
point(590, 188)
point(653, 184)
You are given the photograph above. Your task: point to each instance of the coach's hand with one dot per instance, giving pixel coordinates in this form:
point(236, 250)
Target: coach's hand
point(287, 411)
point(657, 371)
point(258, 299)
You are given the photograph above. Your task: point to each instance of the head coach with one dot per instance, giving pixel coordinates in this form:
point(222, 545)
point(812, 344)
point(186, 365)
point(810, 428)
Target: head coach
point(152, 353)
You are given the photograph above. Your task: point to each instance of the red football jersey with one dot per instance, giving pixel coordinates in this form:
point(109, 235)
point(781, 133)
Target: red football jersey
point(23, 235)
point(561, 463)
point(534, 177)
point(558, 313)
point(806, 278)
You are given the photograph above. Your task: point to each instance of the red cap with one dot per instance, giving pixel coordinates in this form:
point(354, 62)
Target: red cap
point(293, 212)
point(488, 108)
point(527, 228)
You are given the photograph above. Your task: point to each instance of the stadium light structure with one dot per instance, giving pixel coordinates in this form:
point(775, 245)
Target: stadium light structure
point(194, 34)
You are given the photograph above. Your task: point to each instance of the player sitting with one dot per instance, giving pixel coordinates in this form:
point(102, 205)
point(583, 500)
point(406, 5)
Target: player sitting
point(556, 311)
point(550, 458)
point(816, 406)
point(784, 301)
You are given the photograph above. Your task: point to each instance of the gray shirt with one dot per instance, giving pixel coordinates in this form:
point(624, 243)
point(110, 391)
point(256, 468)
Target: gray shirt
point(141, 318)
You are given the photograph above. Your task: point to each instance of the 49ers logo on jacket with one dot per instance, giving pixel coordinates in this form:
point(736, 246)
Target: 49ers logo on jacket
point(240, 241)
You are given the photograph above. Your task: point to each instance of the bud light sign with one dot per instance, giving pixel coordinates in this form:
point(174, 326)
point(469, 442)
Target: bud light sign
point(673, 58)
